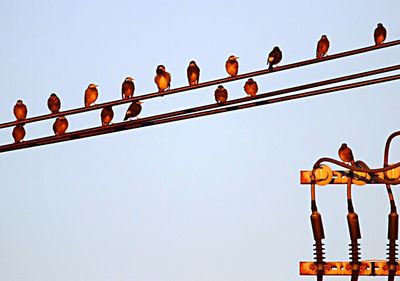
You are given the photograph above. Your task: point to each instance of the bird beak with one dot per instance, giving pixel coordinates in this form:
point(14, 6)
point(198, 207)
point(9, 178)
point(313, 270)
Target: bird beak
point(236, 58)
point(140, 102)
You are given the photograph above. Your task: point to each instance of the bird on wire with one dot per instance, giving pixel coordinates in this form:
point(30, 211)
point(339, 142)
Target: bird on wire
point(18, 133)
point(221, 94)
point(379, 34)
point(91, 94)
point(274, 57)
point(133, 110)
point(345, 154)
point(128, 88)
point(322, 46)
point(20, 110)
point(251, 87)
point(60, 125)
point(193, 73)
point(232, 66)
point(107, 114)
point(162, 79)
point(54, 103)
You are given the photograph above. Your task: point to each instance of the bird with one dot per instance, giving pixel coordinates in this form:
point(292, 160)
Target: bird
point(251, 87)
point(54, 103)
point(232, 66)
point(193, 73)
point(345, 154)
point(274, 57)
point(60, 125)
point(18, 133)
point(322, 46)
point(221, 94)
point(379, 34)
point(133, 110)
point(162, 79)
point(128, 88)
point(107, 114)
point(20, 110)
point(91, 94)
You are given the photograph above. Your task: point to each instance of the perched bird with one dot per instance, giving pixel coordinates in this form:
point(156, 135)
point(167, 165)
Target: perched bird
point(221, 94)
point(60, 126)
point(91, 94)
point(107, 114)
point(322, 46)
point(346, 155)
point(232, 66)
point(162, 79)
point(274, 57)
point(380, 34)
point(54, 103)
point(193, 73)
point(20, 110)
point(18, 133)
point(133, 110)
point(128, 88)
point(251, 87)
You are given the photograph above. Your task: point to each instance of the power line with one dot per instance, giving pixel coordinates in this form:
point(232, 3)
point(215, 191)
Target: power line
point(144, 123)
point(202, 85)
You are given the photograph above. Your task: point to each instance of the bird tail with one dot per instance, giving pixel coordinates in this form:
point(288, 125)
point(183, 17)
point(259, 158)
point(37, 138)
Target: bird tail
point(126, 117)
point(270, 66)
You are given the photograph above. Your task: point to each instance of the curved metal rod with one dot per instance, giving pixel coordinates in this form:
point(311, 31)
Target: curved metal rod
point(386, 163)
point(393, 216)
point(356, 169)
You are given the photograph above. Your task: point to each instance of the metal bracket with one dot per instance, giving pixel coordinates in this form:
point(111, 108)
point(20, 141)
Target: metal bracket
point(367, 268)
point(325, 175)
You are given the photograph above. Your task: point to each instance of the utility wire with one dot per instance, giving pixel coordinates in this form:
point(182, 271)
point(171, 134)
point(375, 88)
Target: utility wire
point(223, 108)
point(202, 85)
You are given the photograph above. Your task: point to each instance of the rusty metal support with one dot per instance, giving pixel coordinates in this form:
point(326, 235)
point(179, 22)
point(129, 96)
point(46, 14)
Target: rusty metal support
point(326, 176)
point(339, 268)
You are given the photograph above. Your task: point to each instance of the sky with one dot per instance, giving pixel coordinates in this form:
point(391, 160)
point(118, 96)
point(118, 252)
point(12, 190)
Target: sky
point(213, 198)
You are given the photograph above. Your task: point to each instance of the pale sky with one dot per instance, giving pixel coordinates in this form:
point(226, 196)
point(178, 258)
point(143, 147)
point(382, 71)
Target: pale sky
point(214, 198)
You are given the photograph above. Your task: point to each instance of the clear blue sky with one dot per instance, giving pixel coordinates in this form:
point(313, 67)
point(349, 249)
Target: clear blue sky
point(216, 198)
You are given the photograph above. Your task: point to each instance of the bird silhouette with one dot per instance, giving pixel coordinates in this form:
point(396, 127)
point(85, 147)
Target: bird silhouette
point(193, 73)
point(221, 94)
point(133, 110)
point(91, 94)
point(232, 66)
point(274, 57)
point(54, 103)
point(18, 133)
point(20, 110)
point(379, 34)
point(162, 79)
point(322, 46)
point(107, 114)
point(251, 87)
point(60, 125)
point(345, 154)
point(128, 88)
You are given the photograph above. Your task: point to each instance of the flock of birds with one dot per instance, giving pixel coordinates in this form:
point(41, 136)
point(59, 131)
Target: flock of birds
point(163, 81)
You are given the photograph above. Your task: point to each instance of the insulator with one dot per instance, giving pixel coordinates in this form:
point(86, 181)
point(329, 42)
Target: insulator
point(392, 249)
point(319, 252)
point(355, 252)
